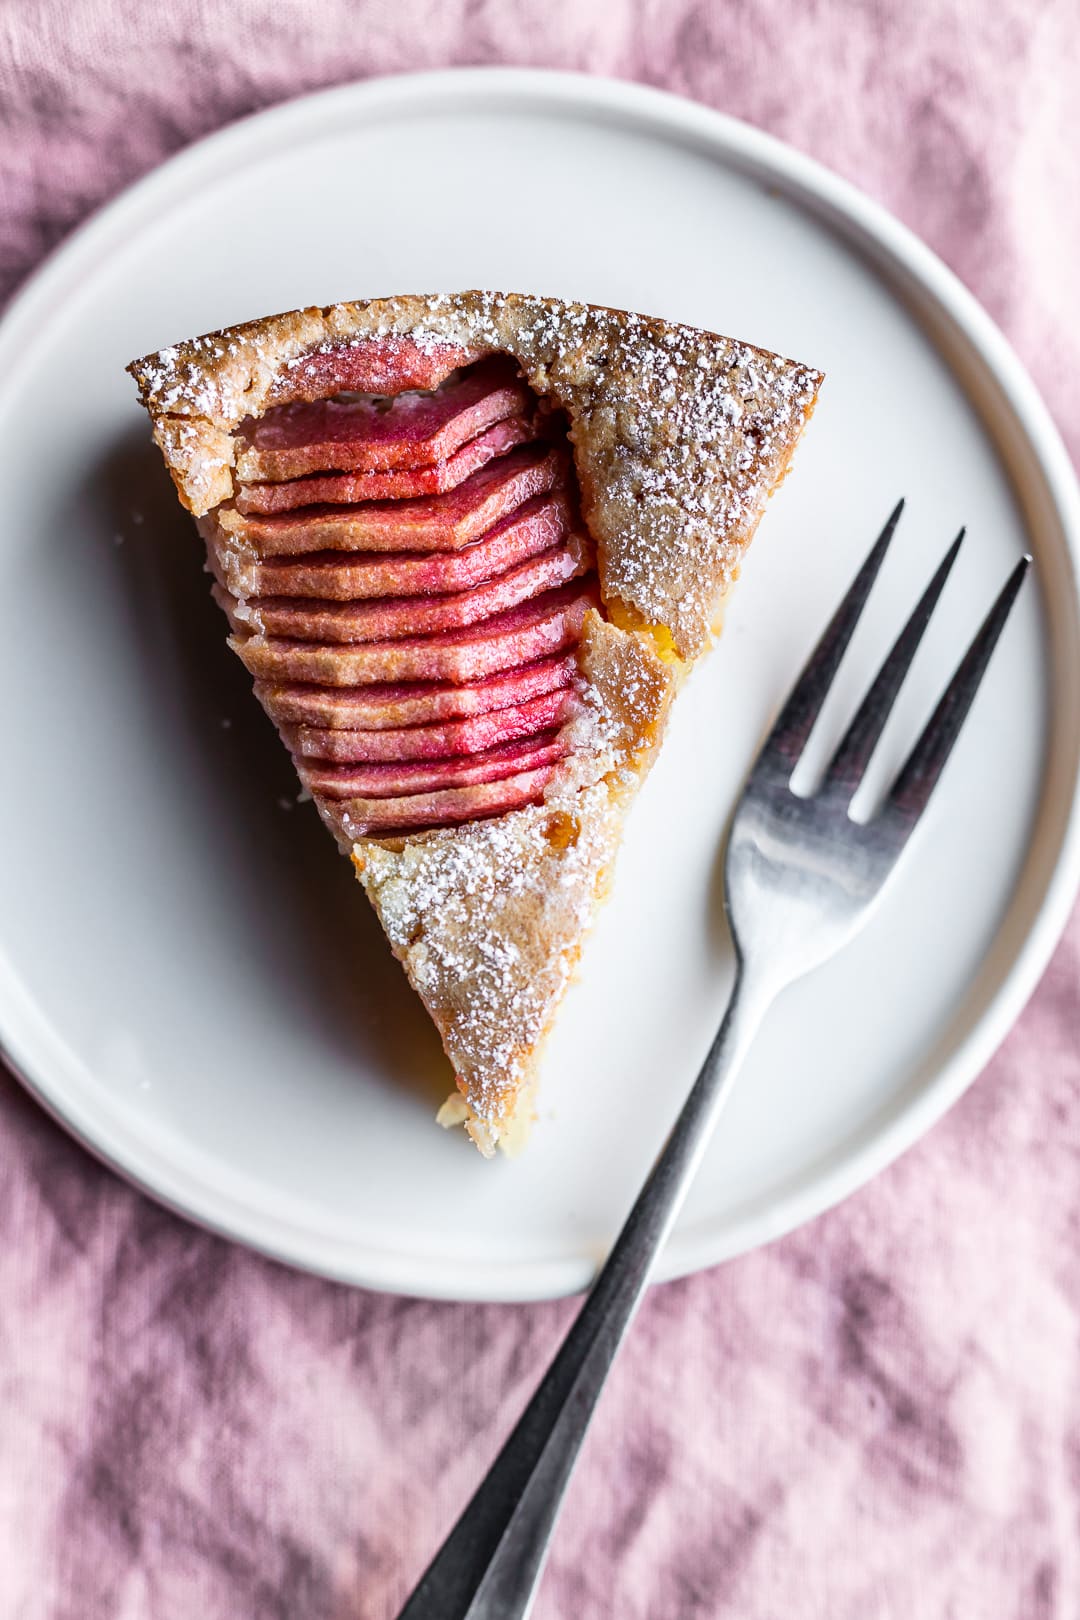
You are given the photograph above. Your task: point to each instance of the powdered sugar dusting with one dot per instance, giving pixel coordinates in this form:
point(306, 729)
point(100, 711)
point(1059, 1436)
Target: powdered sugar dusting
point(183, 378)
point(488, 919)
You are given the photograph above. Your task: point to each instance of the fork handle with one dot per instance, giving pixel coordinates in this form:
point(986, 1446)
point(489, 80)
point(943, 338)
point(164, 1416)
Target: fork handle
point(489, 1565)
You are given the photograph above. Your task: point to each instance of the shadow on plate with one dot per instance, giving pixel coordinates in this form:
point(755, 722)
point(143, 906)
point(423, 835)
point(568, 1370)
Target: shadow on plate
point(324, 952)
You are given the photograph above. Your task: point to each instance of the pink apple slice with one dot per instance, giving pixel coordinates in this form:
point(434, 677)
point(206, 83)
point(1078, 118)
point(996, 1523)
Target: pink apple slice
point(534, 630)
point(368, 435)
point(390, 617)
point(431, 775)
point(376, 708)
point(386, 365)
point(350, 819)
point(475, 735)
point(337, 577)
point(432, 523)
point(368, 817)
point(338, 489)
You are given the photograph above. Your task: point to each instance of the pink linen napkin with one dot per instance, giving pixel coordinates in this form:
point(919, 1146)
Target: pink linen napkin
point(877, 1417)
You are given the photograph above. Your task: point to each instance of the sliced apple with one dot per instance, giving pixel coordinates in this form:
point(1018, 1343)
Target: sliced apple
point(549, 624)
point(368, 435)
point(337, 577)
point(386, 365)
point(476, 735)
point(388, 618)
point(400, 483)
point(350, 819)
point(433, 523)
point(400, 578)
point(413, 706)
point(396, 780)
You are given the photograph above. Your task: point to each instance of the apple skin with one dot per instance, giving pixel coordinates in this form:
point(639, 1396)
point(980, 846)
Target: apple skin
point(411, 705)
point(453, 739)
point(429, 523)
point(403, 778)
point(349, 819)
point(340, 488)
point(367, 435)
point(549, 624)
point(381, 366)
point(339, 577)
point(387, 619)
point(407, 579)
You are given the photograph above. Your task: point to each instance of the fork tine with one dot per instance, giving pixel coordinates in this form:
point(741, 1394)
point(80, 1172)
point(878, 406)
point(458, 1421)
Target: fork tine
point(787, 739)
point(854, 752)
point(919, 774)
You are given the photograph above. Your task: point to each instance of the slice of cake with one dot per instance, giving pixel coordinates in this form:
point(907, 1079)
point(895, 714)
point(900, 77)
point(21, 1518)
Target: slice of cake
point(467, 546)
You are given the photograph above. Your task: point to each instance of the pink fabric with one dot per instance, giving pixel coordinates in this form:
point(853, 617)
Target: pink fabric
point(879, 1416)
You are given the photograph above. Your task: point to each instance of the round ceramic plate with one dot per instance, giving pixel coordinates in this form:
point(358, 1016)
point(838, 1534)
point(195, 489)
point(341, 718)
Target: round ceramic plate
point(191, 978)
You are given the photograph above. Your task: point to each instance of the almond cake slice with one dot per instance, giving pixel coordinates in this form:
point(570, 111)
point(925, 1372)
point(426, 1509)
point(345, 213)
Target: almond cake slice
point(468, 545)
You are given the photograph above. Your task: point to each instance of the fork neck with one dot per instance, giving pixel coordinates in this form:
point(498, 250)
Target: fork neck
point(752, 993)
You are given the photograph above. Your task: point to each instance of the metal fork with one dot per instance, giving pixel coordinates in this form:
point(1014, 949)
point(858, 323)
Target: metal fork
point(801, 878)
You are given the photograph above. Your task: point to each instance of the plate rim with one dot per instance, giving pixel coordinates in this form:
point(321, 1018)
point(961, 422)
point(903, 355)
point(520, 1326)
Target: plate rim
point(858, 219)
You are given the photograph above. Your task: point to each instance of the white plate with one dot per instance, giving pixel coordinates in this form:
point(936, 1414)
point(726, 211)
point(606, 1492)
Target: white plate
point(191, 979)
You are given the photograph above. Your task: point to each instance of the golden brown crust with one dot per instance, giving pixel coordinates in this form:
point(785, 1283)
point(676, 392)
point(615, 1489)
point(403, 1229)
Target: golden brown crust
point(679, 435)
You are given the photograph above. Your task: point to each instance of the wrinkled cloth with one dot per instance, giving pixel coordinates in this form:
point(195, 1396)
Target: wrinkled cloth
point(877, 1417)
